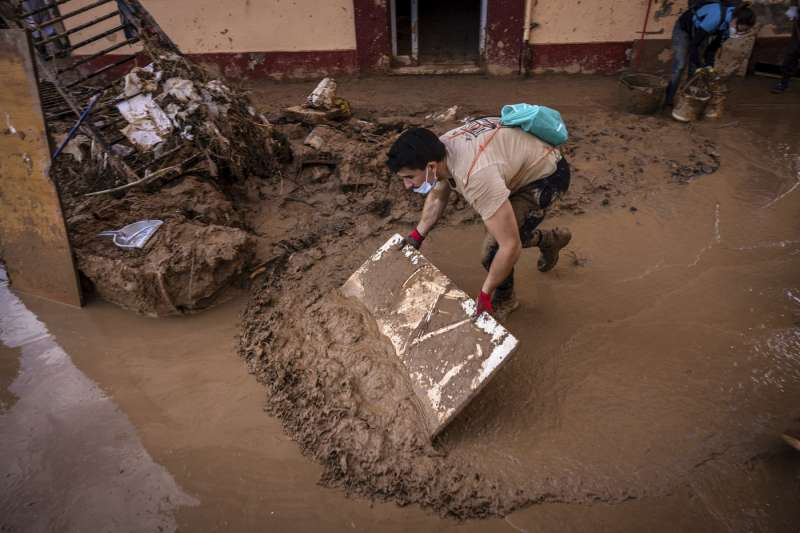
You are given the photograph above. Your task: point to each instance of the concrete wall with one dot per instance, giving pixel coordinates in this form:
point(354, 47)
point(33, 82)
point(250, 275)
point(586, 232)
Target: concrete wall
point(296, 38)
point(582, 21)
point(207, 26)
point(603, 36)
point(308, 38)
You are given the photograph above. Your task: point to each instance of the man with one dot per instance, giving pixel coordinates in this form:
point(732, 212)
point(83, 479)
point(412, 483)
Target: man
point(792, 55)
point(507, 175)
point(703, 28)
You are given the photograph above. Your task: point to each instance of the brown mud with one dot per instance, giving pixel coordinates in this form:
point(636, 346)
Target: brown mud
point(331, 378)
point(659, 359)
point(201, 249)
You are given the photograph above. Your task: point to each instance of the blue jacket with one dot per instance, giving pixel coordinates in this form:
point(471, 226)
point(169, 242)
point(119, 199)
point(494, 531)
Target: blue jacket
point(707, 18)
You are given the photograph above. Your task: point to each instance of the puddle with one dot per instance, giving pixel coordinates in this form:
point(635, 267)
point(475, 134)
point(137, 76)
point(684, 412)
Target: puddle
point(71, 460)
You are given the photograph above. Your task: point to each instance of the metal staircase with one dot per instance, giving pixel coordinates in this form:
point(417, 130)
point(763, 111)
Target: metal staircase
point(70, 81)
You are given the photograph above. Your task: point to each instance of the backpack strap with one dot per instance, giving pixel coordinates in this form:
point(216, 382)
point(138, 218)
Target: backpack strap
point(481, 148)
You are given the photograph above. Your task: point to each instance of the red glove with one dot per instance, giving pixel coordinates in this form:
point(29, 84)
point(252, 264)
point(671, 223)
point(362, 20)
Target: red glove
point(483, 303)
point(415, 239)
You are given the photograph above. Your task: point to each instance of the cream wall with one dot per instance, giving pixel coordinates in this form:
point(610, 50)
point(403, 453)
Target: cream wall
point(588, 21)
point(209, 26)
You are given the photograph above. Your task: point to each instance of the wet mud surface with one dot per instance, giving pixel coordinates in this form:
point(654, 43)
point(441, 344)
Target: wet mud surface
point(71, 461)
point(586, 411)
point(658, 364)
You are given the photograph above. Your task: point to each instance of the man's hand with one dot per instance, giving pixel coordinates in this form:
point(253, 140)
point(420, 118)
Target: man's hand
point(483, 303)
point(415, 239)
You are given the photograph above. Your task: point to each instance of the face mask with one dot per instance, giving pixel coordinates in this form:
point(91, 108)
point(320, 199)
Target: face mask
point(426, 187)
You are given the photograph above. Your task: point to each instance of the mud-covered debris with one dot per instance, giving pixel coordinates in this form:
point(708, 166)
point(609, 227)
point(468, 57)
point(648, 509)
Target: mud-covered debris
point(446, 115)
point(321, 106)
point(174, 116)
point(323, 96)
point(314, 116)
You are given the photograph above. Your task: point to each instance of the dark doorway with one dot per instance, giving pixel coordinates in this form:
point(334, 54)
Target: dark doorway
point(436, 32)
point(449, 31)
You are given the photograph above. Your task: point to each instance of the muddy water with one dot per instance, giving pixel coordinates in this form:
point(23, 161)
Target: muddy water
point(71, 460)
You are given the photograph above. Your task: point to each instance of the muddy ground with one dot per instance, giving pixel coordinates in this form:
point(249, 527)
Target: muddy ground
point(320, 357)
point(659, 360)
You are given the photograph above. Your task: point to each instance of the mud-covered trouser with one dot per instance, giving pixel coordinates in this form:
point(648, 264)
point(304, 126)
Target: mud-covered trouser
point(530, 204)
point(792, 56)
point(681, 41)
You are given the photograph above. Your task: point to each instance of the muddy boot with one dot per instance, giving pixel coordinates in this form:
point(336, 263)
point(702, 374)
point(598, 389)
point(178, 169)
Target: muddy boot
point(504, 302)
point(550, 243)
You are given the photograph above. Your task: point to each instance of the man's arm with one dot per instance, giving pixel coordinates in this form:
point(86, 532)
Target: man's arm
point(503, 227)
point(435, 203)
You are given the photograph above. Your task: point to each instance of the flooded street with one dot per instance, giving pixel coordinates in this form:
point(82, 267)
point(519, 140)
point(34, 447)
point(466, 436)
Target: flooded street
point(659, 364)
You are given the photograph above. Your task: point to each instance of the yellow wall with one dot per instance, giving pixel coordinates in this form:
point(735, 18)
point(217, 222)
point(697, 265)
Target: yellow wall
point(208, 26)
point(587, 21)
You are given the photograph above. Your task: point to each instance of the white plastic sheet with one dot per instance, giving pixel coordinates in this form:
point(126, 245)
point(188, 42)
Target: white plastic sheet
point(148, 125)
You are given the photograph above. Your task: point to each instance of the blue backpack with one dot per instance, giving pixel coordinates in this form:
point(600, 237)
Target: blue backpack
point(538, 120)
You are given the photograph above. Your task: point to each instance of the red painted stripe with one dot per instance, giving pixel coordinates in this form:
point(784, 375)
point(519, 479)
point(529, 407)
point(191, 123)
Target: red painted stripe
point(251, 65)
point(600, 58)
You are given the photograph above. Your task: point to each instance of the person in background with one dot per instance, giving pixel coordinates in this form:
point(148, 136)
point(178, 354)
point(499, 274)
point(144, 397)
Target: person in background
point(792, 55)
point(698, 34)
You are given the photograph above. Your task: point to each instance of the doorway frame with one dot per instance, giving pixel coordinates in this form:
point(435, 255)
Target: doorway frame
point(413, 59)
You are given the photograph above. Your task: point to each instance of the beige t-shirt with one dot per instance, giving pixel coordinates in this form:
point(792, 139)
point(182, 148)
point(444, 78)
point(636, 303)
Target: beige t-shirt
point(512, 159)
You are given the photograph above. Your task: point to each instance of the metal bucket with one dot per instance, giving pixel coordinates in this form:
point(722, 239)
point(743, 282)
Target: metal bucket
point(641, 93)
point(689, 107)
point(716, 104)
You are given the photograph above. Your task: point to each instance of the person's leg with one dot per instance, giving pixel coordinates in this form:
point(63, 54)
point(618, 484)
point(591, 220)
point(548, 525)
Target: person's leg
point(680, 55)
point(550, 242)
point(790, 61)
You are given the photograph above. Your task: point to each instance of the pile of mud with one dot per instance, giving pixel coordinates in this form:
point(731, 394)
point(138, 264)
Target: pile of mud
point(331, 378)
point(212, 145)
point(199, 251)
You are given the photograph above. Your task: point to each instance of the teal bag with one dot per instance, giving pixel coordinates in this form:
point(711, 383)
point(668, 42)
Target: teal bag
point(538, 120)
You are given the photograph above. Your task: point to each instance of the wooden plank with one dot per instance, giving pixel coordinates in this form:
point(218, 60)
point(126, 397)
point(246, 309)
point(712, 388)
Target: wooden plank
point(33, 235)
point(449, 355)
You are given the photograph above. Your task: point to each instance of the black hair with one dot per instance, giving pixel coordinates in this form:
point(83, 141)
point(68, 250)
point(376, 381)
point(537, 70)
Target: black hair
point(414, 149)
point(745, 15)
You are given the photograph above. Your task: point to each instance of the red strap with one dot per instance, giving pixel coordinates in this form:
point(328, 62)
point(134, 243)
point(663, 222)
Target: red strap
point(481, 148)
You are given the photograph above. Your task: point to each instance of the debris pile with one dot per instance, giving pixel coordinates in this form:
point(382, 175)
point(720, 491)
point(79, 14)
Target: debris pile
point(195, 143)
